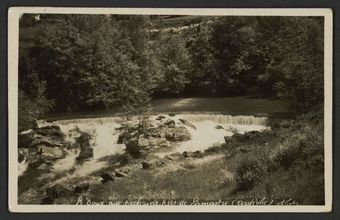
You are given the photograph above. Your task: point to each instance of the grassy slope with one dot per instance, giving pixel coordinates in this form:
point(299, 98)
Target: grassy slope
point(289, 165)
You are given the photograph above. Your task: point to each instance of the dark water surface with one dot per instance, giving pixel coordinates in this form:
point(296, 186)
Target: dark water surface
point(226, 105)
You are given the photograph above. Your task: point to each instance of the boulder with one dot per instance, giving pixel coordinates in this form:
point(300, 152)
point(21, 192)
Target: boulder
point(125, 169)
point(151, 164)
point(219, 127)
point(170, 123)
point(187, 154)
point(50, 153)
point(84, 154)
point(58, 190)
point(25, 140)
point(240, 137)
point(197, 154)
point(177, 134)
point(48, 136)
point(134, 149)
point(187, 123)
point(252, 134)
point(119, 173)
point(82, 188)
point(137, 147)
point(124, 137)
point(107, 177)
point(161, 117)
point(23, 154)
point(52, 131)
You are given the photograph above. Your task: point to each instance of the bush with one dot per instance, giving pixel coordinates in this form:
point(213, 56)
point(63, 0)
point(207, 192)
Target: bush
point(304, 145)
point(248, 173)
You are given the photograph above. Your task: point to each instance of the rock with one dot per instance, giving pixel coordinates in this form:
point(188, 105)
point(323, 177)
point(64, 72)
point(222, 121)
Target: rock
point(58, 190)
point(197, 154)
point(170, 123)
point(82, 188)
point(137, 147)
point(172, 157)
point(48, 136)
point(240, 137)
point(86, 151)
point(50, 153)
point(107, 177)
point(124, 137)
point(185, 122)
point(44, 141)
point(120, 174)
point(25, 140)
point(187, 154)
point(252, 134)
point(134, 149)
point(228, 139)
point(219, 127)
point(23, 154)
point(161, 117)
point(84, 155)
point(155, 133)
point(177, 134)
point(150, 164)
point(171, 114)
point(52, 131)
point(125, 169)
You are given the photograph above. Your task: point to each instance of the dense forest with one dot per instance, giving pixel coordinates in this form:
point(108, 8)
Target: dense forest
point(78, 62)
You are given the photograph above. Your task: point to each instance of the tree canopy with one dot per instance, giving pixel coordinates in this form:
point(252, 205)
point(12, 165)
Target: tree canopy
point(75, 62)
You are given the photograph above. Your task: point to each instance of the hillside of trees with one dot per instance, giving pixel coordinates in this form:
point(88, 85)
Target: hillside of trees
point(78, 62)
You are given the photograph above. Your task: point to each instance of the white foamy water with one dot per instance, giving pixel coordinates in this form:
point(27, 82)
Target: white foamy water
point(105, 136)
point(22, 167)
point(206, 135)
point(104, 143)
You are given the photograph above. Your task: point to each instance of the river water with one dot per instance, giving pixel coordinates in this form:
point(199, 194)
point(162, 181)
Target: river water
point(105, 136)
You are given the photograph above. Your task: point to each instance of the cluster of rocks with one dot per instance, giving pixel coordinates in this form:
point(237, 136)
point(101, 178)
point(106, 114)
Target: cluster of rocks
point(166, 134)
point(117, 173)
point(42, 146)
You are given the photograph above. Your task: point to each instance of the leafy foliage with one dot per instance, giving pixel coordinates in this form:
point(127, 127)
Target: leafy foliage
point(79, 62)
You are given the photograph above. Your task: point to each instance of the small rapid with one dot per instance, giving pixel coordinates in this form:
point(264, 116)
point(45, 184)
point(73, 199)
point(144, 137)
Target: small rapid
point(210, 131)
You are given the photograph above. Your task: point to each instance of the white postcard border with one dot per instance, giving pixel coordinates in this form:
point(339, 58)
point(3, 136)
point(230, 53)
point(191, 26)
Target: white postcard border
point(14, 14)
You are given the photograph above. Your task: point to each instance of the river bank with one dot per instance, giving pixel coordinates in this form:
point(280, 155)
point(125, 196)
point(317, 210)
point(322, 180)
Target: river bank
point(186, 156)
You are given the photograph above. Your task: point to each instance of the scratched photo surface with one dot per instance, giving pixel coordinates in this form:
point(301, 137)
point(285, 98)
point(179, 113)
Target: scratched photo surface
point(170, 110)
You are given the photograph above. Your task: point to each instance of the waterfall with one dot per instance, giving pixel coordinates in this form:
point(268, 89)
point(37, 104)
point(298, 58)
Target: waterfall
point(226, 119)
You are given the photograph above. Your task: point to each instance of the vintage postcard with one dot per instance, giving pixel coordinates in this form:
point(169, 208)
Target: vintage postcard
point(170, 110)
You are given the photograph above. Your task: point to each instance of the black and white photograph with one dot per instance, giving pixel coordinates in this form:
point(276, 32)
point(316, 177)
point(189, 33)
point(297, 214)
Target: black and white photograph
point(170, 110)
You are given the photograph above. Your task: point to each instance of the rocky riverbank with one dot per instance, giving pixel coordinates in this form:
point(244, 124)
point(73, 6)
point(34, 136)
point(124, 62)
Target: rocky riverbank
point(58, 166)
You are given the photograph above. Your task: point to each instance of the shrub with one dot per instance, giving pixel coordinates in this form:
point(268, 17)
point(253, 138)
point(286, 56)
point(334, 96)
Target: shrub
point(248, 173)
